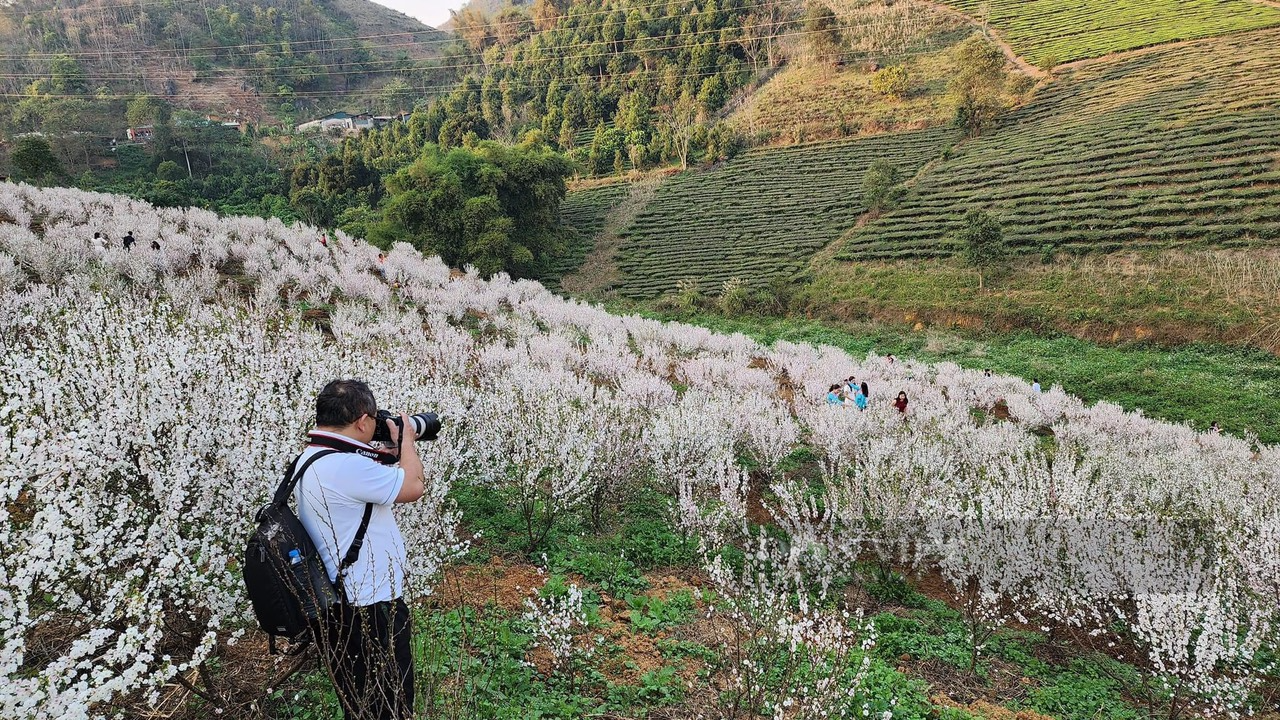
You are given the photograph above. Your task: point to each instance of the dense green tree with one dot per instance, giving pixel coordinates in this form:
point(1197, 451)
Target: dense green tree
point(323, 190)
point(396, 95)
point(67, 75)
point(34, 158)
point(169, 170)
point(823, 29)
point(977, 85)
point(492, 206)
point(882, 187)
point(512, 26)
point(891, 82)
point(981, 239)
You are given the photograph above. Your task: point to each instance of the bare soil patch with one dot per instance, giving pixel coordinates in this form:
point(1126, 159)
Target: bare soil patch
point(497, 583)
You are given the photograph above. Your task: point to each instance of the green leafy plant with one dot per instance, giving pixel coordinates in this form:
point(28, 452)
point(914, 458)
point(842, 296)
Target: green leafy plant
point(649, 614)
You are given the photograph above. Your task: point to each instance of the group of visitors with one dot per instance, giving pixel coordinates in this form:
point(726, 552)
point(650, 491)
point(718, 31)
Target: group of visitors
point(852, 393)
point(128, 241)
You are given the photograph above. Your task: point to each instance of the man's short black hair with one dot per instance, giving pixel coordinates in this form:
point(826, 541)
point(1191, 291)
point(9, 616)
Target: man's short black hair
point(342, 402)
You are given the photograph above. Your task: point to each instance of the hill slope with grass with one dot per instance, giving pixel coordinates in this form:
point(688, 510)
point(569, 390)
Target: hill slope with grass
point(1168, 147)
point(1138, 192)
point(760, 216)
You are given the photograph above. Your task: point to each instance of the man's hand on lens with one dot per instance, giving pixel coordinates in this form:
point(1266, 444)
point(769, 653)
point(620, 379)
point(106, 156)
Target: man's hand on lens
point(410, 434)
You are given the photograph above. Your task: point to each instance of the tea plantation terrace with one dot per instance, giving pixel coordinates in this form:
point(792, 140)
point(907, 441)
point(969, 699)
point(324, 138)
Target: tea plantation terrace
point(1173, 146)
point(1048, 32)
point(762, 215)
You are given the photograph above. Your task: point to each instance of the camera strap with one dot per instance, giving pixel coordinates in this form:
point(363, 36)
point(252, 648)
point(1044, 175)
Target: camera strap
point(291, 480)
point(341, 445)
point(353, 552)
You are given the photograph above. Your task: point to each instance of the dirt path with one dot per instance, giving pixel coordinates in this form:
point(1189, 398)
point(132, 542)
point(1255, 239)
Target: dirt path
point(995, 37)
point(600, 269)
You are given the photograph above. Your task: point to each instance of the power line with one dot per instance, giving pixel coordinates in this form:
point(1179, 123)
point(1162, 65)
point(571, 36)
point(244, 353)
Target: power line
point(428, 31)
point(187, 56)
point(849, 56)
point(544, 48)
point(481, 64)
point(464, 65)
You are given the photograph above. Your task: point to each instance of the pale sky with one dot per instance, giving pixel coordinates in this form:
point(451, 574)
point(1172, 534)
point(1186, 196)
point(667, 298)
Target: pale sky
point(431, 12)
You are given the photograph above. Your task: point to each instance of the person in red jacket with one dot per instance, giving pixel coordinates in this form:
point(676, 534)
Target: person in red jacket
point(901, 402)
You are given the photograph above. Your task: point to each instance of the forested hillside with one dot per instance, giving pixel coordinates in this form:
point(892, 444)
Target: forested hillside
point(64, 65)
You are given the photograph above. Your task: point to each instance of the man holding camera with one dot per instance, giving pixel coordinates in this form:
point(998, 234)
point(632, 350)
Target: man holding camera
point(365, 642)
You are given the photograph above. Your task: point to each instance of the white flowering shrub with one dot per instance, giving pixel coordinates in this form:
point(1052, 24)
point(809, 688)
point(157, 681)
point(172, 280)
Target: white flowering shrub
point(558, 620)
point(149, 399)
point(781, 656)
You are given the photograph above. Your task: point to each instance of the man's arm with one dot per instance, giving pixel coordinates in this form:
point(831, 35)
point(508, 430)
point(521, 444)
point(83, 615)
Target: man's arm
point(414, 486)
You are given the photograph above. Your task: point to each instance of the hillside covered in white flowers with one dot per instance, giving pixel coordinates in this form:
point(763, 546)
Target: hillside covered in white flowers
point(149, 399)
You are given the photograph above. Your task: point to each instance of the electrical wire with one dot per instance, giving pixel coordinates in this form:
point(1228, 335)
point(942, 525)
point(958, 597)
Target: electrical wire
point(850, 55)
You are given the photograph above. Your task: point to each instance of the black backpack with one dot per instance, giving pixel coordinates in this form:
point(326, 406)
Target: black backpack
point(286, 579)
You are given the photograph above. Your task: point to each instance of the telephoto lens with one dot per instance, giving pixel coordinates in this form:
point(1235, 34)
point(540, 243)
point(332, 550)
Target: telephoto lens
point(425, 425)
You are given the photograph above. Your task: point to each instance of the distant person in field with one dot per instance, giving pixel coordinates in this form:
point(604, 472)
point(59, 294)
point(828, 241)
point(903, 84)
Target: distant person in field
point(987, 372)
point(901, 402)
point(890, 358)
point(865, 388)
point(1035, 385)
point(155, 244)
point(850, 384)
point(1215, 428)
point(833, 395)
point(324, 239)
point(128, 240)
point(99, 241)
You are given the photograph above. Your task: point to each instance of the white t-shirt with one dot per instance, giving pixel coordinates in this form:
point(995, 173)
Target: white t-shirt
point(331, 499)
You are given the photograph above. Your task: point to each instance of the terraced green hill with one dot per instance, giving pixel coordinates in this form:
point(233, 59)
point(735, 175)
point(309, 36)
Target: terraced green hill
point(762, 215)
point(584, 211)
point(1048, 32)
point(1171, 146)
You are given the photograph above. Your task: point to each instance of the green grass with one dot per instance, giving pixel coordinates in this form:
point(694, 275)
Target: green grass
point(1166, 297)
point(1196, 384)
point(1178, 146)
point(760, 216)
point(1048, 32)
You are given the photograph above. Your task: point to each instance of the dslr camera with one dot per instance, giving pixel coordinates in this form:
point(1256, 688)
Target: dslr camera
point(425, 425)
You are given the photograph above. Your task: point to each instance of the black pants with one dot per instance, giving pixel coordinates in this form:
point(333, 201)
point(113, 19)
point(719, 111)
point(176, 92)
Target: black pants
point(366, 650)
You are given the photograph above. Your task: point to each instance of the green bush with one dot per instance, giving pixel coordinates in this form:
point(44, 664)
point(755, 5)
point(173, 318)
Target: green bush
point(169, 170)
point(891, 82)
point(735, 297)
